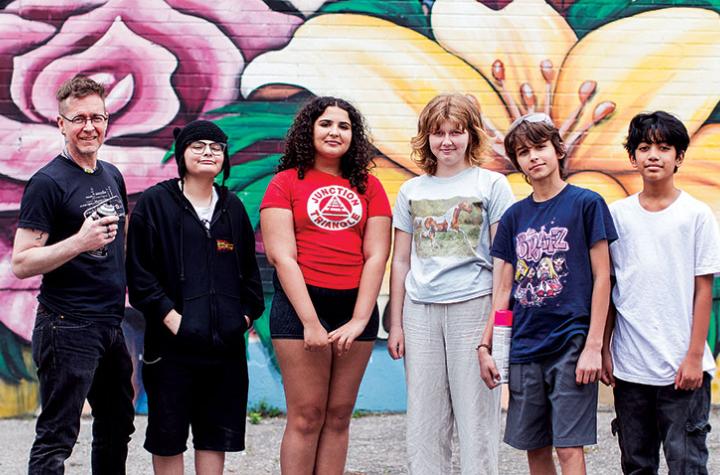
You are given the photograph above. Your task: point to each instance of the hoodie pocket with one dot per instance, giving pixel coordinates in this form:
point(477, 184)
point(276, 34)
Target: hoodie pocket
point(231, 322)
point(194, 327)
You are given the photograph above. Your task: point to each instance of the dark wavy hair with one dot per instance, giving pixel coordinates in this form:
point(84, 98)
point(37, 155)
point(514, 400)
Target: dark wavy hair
point(300, 151)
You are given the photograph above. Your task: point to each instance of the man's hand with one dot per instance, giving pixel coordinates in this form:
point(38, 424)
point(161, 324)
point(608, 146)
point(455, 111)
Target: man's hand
point(172, 321)
point(96, 233)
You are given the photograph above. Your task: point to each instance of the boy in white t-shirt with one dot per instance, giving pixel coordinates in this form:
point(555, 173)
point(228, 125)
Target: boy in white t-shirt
point(658, 362)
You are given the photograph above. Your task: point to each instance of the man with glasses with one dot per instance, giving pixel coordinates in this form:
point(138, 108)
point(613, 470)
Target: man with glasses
point(71, 231)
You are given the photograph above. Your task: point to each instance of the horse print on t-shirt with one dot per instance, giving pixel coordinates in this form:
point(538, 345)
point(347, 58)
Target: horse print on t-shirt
point(449, 227)
point(541, 265)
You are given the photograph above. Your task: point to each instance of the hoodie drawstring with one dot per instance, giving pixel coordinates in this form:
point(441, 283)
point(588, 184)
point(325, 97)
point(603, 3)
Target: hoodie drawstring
point(182, 235)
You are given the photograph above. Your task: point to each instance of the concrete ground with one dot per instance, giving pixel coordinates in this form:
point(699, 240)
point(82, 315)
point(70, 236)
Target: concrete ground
point(376, 447)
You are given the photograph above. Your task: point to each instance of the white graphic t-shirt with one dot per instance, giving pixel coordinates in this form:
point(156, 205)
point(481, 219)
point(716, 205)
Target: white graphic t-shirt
point(449, 219)
point(205, 213)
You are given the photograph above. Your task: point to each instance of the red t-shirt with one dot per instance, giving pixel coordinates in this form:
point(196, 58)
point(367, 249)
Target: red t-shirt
point(330, 219)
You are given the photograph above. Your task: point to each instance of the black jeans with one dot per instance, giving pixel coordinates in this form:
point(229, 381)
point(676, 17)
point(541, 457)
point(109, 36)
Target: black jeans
point(79, 359)
point(650, 415)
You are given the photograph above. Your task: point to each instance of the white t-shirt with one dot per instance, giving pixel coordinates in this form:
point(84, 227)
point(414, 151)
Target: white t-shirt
point(655, 259)
point(205, 212)
point(449, 219)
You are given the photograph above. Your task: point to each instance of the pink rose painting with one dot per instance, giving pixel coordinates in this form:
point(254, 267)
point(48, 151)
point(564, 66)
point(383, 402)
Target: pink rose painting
point(164, 63)
point(248, 66)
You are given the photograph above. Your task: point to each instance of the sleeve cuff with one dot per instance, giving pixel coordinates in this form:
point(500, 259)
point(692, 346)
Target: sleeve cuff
point(164, 307)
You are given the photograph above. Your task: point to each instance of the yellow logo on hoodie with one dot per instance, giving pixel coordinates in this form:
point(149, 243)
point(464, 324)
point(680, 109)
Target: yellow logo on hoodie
point(225, 246)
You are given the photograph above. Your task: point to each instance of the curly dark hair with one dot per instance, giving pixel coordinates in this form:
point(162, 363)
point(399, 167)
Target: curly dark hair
point(300, 151)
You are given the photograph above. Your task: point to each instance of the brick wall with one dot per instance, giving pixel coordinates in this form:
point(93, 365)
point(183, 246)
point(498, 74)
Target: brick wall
point(248, 65)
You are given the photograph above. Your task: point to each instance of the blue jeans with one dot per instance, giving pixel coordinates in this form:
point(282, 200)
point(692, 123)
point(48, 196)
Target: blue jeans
point(78, 359)
point(650, 415)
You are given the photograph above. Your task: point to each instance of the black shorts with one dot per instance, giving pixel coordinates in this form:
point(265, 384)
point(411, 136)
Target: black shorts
point(210, 395)
point(334, 308)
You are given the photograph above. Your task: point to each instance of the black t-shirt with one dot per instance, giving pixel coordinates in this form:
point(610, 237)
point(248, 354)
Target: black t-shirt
point(57, 200)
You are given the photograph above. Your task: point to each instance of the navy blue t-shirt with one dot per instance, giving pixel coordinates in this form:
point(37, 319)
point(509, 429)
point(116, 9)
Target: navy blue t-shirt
point(548, 244)
point(57, 200)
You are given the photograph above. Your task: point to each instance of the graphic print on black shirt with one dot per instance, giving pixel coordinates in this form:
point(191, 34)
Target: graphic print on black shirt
point(57, 200)
point(93, 201)
point(541, 265)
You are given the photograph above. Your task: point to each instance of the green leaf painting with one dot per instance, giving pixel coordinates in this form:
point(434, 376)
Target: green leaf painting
point(585, 16)
point(402, 12)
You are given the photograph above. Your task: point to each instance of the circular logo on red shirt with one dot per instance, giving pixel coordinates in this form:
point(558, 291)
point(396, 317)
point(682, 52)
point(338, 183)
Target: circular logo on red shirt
point(334, 208)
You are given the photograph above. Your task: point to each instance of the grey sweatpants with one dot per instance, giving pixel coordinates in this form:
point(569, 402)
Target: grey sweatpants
point(444, 387)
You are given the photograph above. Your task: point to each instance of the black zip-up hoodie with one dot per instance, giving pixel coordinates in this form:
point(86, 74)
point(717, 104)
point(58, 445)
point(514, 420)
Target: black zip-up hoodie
point(210, 277)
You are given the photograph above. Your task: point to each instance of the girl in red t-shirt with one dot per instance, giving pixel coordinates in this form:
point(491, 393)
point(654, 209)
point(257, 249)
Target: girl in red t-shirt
point(326, 229)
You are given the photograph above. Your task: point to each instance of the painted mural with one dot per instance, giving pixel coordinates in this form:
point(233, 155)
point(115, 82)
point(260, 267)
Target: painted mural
point(249, 65)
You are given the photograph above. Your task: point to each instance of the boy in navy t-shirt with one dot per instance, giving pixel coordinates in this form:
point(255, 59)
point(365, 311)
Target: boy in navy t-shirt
point(551, 254)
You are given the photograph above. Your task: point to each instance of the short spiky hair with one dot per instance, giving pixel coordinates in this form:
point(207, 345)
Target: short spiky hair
point(79, 86)
point(460, 110)
point(657, 127)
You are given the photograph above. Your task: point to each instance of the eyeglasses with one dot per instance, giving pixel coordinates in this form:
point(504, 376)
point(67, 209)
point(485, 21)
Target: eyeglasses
point(216, 148)
point(533, 118)
point(95, 119)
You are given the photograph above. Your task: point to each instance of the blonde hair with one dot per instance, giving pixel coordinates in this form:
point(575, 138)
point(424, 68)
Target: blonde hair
point(463, 111)
point(547, 261)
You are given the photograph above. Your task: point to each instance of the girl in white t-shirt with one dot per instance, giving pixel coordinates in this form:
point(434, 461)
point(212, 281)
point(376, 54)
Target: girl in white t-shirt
point(441, 286)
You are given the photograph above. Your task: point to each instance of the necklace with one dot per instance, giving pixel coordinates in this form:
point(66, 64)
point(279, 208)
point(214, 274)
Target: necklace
point(87, 170)
point(193, 202)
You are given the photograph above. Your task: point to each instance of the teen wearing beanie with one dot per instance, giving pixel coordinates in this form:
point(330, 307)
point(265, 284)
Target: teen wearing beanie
point(192, 272)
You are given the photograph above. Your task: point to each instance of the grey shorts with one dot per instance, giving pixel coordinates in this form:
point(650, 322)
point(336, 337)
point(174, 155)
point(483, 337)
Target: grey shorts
point(547, 407)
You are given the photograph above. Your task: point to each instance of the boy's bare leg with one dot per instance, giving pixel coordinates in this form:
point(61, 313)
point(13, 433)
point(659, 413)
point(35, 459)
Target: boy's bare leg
point(541, 462)
point(209, 462)
point(172, 465)
point(572, 460)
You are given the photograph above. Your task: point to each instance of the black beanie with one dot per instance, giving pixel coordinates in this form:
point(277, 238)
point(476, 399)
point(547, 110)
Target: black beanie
point(199, 130)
